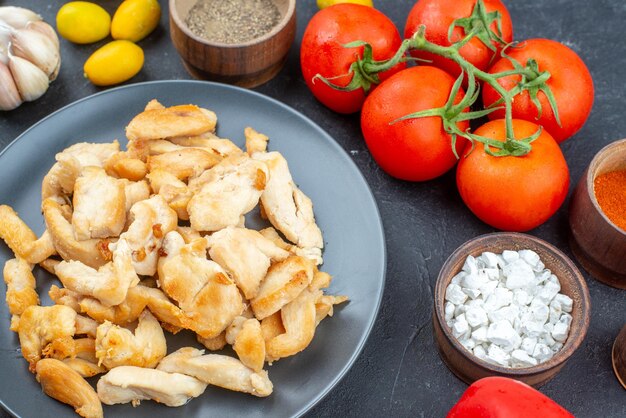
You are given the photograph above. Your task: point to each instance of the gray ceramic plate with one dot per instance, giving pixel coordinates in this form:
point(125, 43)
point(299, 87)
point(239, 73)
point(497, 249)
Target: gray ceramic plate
point(344, 207)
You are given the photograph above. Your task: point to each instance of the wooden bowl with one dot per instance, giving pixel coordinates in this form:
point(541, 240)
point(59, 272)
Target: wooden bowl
point(619, 357)
point(246, 64)
point(598, 244)
point(470, 368)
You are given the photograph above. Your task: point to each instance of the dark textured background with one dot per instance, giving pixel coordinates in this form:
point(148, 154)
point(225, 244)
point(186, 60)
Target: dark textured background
point(399, 372)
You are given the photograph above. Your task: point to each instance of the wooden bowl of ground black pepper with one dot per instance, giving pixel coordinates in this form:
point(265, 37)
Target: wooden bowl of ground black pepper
point(240, 42)
point(597, 216)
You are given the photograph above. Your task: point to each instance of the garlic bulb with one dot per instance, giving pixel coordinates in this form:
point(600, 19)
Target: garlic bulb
point(29, 56)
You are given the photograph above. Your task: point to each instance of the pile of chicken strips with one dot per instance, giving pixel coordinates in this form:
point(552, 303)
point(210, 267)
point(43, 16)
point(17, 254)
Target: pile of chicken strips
point(153, 239)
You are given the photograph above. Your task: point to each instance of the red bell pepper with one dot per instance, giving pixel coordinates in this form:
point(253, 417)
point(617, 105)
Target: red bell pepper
point(500, 397)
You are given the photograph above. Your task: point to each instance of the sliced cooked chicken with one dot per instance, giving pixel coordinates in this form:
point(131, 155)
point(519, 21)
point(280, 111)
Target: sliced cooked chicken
point(312, 253)
point(218, 370)
point(21, 291)
point(189, 234)
point(203, 290)
point(151, 219)
point(271, 327)
point(184, 162)
point(90, 154)
point(324, 306)
point(68, 347)
point(246, 337)
point(109, 284)
point(62, 233)
point(213, 344)
point(135, 191)
point(126, 384)
point(126, 166)
point(209, 142)
point(299, 319)
point(183, 120)
point(49, 264)
point(99, 205)
point(86, 326)
point(226, 192)
point(22, 240)
point(286, 206)
point(41, 325)
point(285, 280)
point(61, 382)
point(83, 367)
point(246, 255)
point(255, 141)
point(117, 346)
point(64, 296)
point(173, 190)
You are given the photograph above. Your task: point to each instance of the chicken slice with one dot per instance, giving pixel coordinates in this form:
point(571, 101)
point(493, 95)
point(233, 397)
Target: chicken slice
point(22, 240)
point(41, 325)
point(134, 384)
point(299, 319)
point(64, 296)
point(226, 192)
point(124, 165)
point(255, 141)
point(246, 255)
point(99, 205)
point(21, 291)
point(202, 289)
point(213, 344)
point(86, 326)
point(117, 346)
point(324, 306)
point(49, 264)
point(87, 252)
point(285, 280)
point(286, 206)
point(173, 190)
point(189, 234)
point(109, 284)
point(90, 154)
point(68, 347)
point(210, 142)
point(246, 337)
point(218, 370)
point(151, 220)
point(135, 191)
point(184, 162)
point(83, 367)
point(312, 253)
point(182, 120)
point(61, 382)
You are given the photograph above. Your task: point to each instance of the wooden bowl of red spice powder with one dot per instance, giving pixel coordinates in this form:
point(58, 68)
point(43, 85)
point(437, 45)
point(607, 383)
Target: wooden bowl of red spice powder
point(597, 216)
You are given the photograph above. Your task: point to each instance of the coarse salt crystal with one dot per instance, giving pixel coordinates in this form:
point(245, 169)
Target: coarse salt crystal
point(449, 311)
point(528, 345)
point(480, 352)
point(565, 301)
point(460, 326)
point(497, 355)
point(531, 257)
point(455, 294)
point(470, 266)
point(518, 274)
point(490, 259)
point(503, 334)
point(476, 316)
point(480, 334)
point(520, 358)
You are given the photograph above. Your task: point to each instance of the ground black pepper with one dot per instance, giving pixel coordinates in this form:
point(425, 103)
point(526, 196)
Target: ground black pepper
point(232, 21)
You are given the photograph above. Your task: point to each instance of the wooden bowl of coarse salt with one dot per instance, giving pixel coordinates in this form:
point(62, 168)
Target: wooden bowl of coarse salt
point(237, 42)
point(597, 216)
point(501, 312)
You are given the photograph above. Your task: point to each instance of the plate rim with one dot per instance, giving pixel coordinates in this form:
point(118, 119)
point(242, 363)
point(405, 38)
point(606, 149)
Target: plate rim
point(361, 345)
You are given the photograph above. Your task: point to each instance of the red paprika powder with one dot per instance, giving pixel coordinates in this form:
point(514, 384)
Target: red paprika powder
point(610, 191)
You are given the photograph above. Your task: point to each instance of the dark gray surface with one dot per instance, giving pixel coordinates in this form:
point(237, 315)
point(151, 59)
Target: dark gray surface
point(399, 372)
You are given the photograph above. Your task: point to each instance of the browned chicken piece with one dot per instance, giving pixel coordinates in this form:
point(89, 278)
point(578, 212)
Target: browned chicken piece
point(64, 296)
point(255, 141)
point(202, 289)
point(286, 206)
point(271, 327)
point(135, 191)
point(125, 166)
point(182, 120)
point(229, 190)
point(68, 347)
point(154, 104)
point(184, 162)
point(246, 337)
point(218, 370)
point(117, 346)
point(210, 142)
point(246, 255)
point(188, 233)
point(99, 203)
point(151, 220)
point(324, 306)
point(22, 240)
point(312, 253)
point(90, 154)
point(83, 367)
point(109, 284)
point(213, 344)
point(61, 382)
point(21, 291)
point(40, 325)
point(86, 326)
point(285, 280)
point(173, 190)
point(62, 233)
point(49, 264)
point(299, 319)
point(126, 384)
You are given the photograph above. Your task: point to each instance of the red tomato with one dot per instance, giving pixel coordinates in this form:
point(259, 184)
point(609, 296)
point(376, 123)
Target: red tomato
point(413, 149)
point(322, 51)
point(438, 15)
point(513, 193)
point(569, 81)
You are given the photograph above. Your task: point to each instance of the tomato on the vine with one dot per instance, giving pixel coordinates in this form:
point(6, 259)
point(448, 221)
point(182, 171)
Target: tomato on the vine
point(570, 82)
point(438, 15)
point(415, 149)
point(513, 193)
point(323, 52)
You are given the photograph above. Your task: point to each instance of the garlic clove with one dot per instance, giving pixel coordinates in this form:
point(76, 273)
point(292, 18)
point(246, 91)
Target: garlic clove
point(9, 96)
point(55, 73)
point(46, 29)
point(31, 82)
point(5, 36)
point(36, 48)
point(4, 54)
point(17, 17)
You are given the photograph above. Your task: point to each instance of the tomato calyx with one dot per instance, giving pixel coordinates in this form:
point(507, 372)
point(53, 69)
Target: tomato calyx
point(479, 24)
point(365, 69)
